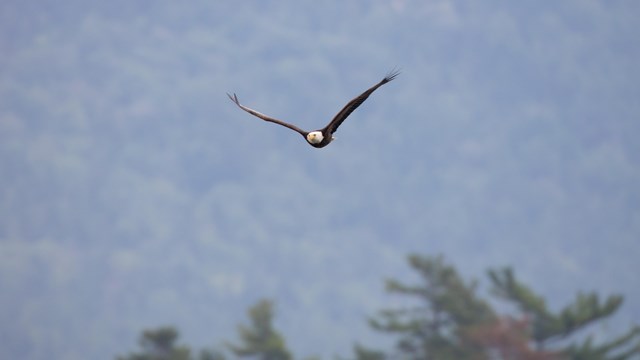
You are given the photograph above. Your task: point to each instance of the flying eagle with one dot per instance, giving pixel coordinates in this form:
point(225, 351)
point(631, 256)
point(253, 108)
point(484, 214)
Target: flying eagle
point(322, 137)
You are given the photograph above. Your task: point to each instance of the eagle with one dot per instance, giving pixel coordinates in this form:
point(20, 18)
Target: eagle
point(322, 137)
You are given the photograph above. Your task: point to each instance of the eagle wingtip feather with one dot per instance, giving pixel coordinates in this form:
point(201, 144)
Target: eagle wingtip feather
point(234, 98)
point(392, 74)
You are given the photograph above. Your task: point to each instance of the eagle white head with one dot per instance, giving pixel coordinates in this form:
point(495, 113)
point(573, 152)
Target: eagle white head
point(315, 137)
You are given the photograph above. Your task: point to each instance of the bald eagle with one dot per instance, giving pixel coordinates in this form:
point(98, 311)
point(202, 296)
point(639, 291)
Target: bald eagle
point(322, 137)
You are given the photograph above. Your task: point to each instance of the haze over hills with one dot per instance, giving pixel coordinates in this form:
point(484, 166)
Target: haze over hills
point(135, 194)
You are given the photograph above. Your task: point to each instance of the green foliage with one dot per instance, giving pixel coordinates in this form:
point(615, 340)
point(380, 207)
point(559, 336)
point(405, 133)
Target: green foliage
point(160, 344)
point(448, 304)
point(260, 339)
point(452, 322)
point(506, 287)
point(624, 347)
point(211, 355)
point(362, 353)
point(547, 327)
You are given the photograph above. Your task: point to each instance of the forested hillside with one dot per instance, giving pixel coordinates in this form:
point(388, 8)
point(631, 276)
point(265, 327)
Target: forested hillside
point(133, 193)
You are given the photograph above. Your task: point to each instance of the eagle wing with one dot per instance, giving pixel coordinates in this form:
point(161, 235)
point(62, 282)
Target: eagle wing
point(264, 117)
point(353, 104)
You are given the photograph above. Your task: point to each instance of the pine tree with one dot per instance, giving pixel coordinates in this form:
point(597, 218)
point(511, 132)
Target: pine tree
point(452, 322)
point(363, 353)
point(260, 340)
point(160, 344)
point(447, 305)
point(547, 328)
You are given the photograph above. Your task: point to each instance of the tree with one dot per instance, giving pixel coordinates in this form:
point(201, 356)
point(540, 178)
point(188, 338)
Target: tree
point(547, 328)
point(452, 322)
point(260, 340)
point(160, 344)
point(448, 320)
point(507, 338)
point(363, 353)
point(448, 305)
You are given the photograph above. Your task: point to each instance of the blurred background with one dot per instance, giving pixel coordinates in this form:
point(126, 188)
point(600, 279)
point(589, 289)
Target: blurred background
point(133, 193)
